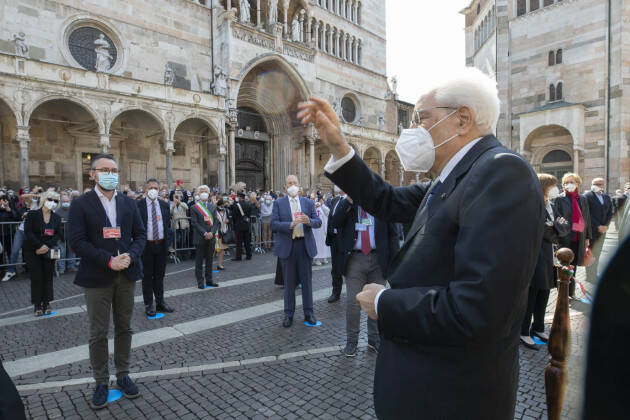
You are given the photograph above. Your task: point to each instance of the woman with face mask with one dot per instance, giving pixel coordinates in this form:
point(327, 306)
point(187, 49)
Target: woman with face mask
point(222, 220)
point(573, 206)
point(544, 278)
point(266, 208)
point(43, 231)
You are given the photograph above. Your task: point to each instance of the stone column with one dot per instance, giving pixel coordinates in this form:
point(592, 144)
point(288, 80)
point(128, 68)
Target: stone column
point(348, 9)
point(401, 176)
point(576, 161)
point(336, 44)
point(330, 41)
point(169, 166)
point(232, 145)
point(344, 49)
point(222, 183)
point(354, 51)
point(229, 5)
point(359, 52)
point(259, 23)
point(322, 35)
point(309, 34)
point(23, 137)
point(316, 34)
point(286, 22)
point(103, 143)
point(302, 30)
point(311, 152)
point(354, 12)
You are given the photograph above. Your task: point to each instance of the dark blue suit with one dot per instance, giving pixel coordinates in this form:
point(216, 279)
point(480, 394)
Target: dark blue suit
point(296, 255)
point(85, 225)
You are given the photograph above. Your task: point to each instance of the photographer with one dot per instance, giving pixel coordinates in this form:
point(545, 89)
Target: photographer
point(43, 231)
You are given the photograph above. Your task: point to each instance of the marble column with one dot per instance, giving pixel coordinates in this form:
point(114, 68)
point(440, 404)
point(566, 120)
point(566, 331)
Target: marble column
point(330, 41)
point(259, 23)
point(311, 152)
point(359, 54)
point(576, 161)
point(309, 34)
point(354, 51)
point(354, 12)
point(103, 143)
point(229, 5)
point(337, 43)
point(316, 34)
point(322, 36)
point(381, 168)
point(23, 137)
point(303, 32)
point(232, 145)
point(344, 48)
point(222, 183)
point(286, 22)
point(401, 176)
point(348, 9)
point(169, 166)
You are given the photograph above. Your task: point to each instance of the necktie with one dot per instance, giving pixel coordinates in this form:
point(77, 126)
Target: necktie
point(156, 235)
point(366, 247)
point(434, 191)
point(298, 232)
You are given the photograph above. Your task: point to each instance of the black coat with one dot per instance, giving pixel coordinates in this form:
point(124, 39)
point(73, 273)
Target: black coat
point(166, 220)
point(565, 209)
point(601, 214)
point(385, 235)
point(85, 226)
point(200, 226)
point(240, 222)
point(544, 276)
point(34, 230)
point(332, 239)
point(450, 324)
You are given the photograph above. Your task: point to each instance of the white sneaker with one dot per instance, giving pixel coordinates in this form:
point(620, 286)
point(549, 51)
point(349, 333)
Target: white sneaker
point(8, 276)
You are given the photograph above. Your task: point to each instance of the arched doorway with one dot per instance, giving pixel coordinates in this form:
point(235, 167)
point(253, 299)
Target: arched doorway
point(372, 158)
point(270, 141)
point(137, 139)
point(557, 163)
point(550, 149)
point(196, 156)
point(392, 168)
point(9, 148)
point(63, 133)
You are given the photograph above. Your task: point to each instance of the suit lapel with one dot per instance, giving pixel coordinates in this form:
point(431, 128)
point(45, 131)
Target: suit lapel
point(118, 208)
point(98, 206)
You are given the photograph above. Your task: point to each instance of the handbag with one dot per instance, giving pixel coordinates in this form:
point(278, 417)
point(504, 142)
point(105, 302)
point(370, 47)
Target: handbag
point(228, 237)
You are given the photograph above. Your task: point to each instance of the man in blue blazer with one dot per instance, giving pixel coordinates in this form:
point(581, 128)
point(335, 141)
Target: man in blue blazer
point(292, 220)
point(601, 209)
point(107, 233)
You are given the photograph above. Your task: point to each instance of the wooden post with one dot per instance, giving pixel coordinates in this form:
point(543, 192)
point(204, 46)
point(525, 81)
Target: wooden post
point(558, 345)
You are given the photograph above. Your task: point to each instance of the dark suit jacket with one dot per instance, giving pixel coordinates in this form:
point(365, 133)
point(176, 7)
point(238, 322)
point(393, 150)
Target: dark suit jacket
point(450, 323)
point(565, 208)
point(281, 219)
point(200, 226)
point(601, 214)
point(385, 235)
point(241, 222)
point(545, 273)
point(34, 230)
point(332, 238)
point(85, 226)
point(166, 220)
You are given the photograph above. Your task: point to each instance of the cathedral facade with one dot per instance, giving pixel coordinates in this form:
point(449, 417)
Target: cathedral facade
point(561, 68)
point(202, 91)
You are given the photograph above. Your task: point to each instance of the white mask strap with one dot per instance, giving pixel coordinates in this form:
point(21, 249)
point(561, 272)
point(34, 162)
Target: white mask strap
point(434, 125)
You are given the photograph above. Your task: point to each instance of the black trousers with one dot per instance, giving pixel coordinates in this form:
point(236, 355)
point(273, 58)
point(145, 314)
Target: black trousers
point(204, 252)
point(41, 271)
point(336, 257)
point(537, 306)
point(575, 245)
point(11, 406)
point(243, 238)
point(154, 266)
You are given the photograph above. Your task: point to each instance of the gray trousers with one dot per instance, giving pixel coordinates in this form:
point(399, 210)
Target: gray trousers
point(361, 270)
point(100, 300)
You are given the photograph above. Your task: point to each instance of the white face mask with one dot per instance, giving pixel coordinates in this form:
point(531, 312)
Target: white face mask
point(416, 148)
point(553, 193)
point(596, 189)
point(152, 194)
point(293, 190)
point(204, 196)
point(570, 186)
point(50, 205)
point(196, 198)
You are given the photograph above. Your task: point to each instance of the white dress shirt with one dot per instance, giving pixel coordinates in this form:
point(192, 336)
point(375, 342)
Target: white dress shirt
point(158, 214)
point(109, 206)
point(600, 197)
point(334, 165)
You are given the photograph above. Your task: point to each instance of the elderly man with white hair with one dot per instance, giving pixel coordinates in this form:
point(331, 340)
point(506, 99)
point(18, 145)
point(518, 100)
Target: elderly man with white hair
point(450, 323)
point(203, 219)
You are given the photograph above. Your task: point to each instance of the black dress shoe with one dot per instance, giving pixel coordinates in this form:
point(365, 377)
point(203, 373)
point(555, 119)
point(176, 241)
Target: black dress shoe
point(288, 321)
point(310, 319)
point(220, 267)
point(528, 345)
point(212, 284)
point(163, 307)
point(333, 298)
point(201, 286)
point(236, 259)
point(249, 258)
point(350, 350)
point(149, 310)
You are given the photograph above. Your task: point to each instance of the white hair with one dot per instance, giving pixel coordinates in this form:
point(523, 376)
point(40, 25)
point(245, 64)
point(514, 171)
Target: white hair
point(474, 89)
point(203, 186)
point(43, 197)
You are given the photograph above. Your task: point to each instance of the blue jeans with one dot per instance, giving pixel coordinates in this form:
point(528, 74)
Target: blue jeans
point(18, 240)
point(66, 252)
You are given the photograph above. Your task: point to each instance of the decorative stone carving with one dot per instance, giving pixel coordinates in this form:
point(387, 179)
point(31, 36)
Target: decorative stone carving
point(254, 38)
point(21, 49)
point(245, 11)
point(103, 58)
point(296, 32)
point(337, 106)
point(394, 81)
point(220, 82)
point(381, 122)
point(273, 12)
point(169, 75)
point(298, 53)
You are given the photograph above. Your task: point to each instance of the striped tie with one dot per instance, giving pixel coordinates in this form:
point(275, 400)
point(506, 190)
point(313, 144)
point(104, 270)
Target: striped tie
point(156, 235)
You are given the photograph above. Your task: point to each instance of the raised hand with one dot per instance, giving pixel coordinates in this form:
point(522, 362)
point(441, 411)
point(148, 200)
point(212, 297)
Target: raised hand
point(321, 114)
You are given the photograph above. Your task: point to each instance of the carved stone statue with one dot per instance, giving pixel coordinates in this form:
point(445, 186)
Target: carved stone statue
point(337, 106)
point(245, 11)
point(220, 81)
point(381, 122)
point(273, 12)
point(21, 49)
point(394, 85)
point(103, 58)
point(169, 75)
point(296, 31)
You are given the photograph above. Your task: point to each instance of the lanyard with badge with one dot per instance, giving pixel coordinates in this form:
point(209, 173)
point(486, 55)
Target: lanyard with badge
point(110, 232)
point(364, 222)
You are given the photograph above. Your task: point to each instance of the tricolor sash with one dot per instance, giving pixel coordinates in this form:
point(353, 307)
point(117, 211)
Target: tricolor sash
point(207, 216)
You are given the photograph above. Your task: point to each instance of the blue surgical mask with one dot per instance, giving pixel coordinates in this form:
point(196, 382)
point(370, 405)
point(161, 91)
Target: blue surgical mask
point(66, 205)
point(108, 181)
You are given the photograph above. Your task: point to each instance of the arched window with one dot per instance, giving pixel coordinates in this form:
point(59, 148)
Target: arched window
point(552, 93)
point(559, 56)
point(534, 5)
point(521, 7)
point(557, 156)
point(559, 91)
point(552, 58)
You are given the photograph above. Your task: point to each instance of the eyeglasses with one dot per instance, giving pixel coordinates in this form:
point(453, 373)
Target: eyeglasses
point(106, 170)
point(417, 119)
point(52, 199)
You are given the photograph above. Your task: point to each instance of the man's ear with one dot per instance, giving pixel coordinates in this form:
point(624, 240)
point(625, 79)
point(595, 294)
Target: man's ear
point(466, 119)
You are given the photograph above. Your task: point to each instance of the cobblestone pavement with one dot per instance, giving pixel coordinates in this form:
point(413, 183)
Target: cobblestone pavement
point(229, 356)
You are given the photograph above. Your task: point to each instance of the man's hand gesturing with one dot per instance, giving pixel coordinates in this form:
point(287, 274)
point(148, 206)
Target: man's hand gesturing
point(325, 119)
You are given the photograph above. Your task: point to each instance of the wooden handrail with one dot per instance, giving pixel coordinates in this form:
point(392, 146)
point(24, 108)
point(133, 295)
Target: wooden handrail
point(558, 344)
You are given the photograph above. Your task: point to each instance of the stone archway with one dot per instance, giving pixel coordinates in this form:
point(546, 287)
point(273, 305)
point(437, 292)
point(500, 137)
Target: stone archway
point(372, 157)
point(63, 132)
point(196, 154)
point(9, 148)
point(549, 138)
point(393, 169)
point(267, 126)
point(137, 141)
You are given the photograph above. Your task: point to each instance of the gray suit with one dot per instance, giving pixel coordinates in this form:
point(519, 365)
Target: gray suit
point(205, 247)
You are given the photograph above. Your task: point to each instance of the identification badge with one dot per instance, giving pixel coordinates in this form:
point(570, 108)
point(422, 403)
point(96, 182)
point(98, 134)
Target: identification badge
point(111, 233)
point(360, 227)
point(49, 232)
point(366, 222)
